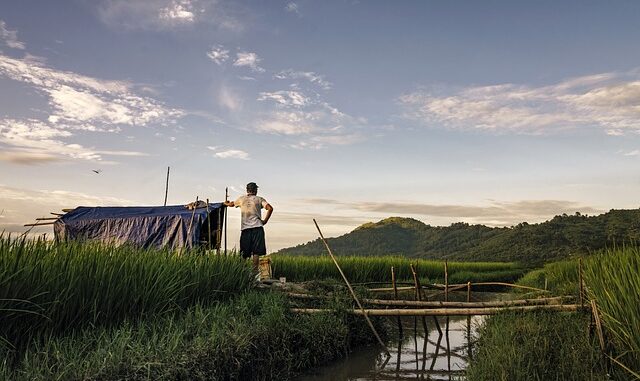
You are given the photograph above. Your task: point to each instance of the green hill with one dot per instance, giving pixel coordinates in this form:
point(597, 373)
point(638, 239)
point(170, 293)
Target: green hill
point(531, 244)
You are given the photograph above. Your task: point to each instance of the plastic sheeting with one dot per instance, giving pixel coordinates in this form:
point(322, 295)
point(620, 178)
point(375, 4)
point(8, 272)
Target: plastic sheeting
point(147, 227)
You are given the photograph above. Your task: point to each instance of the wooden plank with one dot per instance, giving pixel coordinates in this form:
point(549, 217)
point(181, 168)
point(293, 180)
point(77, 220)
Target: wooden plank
point(414, 303)
point(448, 311)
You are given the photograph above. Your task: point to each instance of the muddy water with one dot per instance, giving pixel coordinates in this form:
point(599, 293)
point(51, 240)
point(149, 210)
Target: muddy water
point(416, 353)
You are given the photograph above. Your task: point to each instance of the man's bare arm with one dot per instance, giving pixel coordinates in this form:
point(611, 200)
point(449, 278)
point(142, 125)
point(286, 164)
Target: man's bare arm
point(229, 203)
point(269, 209)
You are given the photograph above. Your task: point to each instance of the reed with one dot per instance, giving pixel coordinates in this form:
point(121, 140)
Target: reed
point(48, 288)
point(612, 278)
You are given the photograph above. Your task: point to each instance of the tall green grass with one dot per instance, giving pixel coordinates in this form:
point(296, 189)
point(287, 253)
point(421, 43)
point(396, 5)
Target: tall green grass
point(252, 337)
point(48, 288)
point(560, 278)
point(378, 269)
point(613, 280)
point(538, 346)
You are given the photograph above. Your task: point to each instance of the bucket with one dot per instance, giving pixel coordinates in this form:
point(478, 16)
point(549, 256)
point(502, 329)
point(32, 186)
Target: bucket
point(265, 268)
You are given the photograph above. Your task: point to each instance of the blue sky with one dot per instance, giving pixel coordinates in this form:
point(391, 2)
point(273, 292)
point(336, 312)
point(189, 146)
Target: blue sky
point(491, 112)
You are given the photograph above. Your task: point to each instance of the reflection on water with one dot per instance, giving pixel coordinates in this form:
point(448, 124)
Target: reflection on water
point(439, 352)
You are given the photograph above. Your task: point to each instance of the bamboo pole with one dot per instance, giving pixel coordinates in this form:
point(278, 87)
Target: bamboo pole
point(57, 214)
point(191, 221)
point(446, 281)
point(596, 317)
point(581, 284)
point(40, 224)
point(413, 303)
point(455, 287)
point(355, 297)
point(68, 210)
point(47, 218)
point(226, 198)
point(419, 295)
point(395, 296)
point(209, 223)
point(470, 352)
point(447, 311)
point(166, 188)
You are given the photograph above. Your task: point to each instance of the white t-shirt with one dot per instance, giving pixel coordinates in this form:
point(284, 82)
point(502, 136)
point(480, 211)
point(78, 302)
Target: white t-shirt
point(250, 210)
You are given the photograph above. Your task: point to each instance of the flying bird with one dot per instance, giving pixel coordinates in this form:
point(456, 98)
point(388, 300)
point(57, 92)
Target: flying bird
point(97, 170)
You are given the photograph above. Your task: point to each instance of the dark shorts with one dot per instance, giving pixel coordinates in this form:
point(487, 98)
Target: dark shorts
point(252, 242)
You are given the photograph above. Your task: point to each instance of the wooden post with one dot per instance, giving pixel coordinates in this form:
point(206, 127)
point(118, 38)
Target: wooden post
point(581, 283)
point(419, 297)
point(226, 198)
point(596, 318)
point(355, 297)
point(446, 281)
point(191, 221)
point(166, 188)
point(469, 323)
point(209, 223)
point(395, 296)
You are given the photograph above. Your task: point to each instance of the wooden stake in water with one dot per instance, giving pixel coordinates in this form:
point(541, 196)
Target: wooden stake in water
point(446, 281)
point(469, 322)
point(355, 297)
point(395, 296)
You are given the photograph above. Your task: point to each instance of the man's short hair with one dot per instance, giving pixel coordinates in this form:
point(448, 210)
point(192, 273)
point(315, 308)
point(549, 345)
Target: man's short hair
point(252, 187)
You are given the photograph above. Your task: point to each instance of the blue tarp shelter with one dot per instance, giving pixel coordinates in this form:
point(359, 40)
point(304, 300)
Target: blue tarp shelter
point(144, 226)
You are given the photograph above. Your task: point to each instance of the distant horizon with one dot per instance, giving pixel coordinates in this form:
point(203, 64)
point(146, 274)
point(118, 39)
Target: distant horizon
point(488, 113)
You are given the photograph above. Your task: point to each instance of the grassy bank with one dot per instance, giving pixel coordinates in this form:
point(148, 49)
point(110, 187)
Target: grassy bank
point(378, 269)
point(254, 337)
point(612, 279)
point(536, 347)
point(48, 288)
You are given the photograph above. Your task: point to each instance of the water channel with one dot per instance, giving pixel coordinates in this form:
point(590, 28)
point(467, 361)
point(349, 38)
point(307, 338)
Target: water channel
point(416, 353)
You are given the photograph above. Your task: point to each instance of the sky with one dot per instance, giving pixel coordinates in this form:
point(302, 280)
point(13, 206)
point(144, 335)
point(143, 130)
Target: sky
point(489, 112)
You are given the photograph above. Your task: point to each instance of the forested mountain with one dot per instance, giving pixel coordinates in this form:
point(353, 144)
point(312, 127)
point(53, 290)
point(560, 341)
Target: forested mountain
point(531, 244)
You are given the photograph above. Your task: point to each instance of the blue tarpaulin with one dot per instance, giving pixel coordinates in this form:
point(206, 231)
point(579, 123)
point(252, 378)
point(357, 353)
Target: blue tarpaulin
point(144, 226)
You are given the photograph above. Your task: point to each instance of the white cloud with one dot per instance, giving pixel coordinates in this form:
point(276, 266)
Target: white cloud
point(78, 99)
point(229, 99)
point(77, 103)
point(40, 142)
point(232, 154)
point(286, 98)
point(178, 11)
point(166, 14)
point(218, 54)
point(27, 157)
point(608, 101)
point(285, 123)
point(10, 37)
point(496, 213)
point(310, 76)
point(635, 152)
point(250, 60)
point(292, 7)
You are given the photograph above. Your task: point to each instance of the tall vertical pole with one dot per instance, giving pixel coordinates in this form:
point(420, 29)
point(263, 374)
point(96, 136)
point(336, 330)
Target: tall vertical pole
point(166, 188)
point(226, 198)
point(209, 223)
point(353, 293)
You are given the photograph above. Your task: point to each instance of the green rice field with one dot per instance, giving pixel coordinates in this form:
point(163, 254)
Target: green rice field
point(378, 269)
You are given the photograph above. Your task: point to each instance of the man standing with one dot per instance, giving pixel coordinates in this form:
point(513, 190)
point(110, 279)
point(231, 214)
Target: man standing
point(252, 242)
